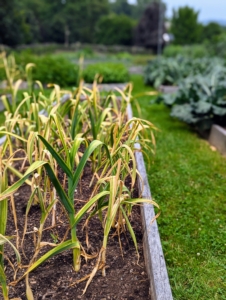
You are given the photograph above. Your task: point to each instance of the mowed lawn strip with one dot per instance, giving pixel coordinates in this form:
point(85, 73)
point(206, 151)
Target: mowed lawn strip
point(188, 181)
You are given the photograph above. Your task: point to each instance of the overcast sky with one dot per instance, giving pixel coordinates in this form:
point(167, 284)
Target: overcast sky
point(210, 10)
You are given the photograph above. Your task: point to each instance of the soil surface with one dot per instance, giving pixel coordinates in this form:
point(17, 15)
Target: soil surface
point(126, 278)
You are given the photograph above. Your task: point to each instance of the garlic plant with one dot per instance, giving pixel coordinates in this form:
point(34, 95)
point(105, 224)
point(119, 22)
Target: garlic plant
point(87, 128)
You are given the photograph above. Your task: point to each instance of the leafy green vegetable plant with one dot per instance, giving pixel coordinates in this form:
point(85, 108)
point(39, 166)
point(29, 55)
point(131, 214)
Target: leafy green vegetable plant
point(172, 71)
point(200, 101)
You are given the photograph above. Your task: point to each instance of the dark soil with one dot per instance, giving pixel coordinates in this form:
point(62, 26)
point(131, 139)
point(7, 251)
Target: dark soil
point(126, 278)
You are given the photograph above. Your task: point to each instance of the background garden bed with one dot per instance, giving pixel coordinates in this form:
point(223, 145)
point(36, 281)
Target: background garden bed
point(217, 138)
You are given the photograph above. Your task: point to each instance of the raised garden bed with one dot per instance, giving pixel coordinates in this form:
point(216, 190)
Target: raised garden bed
point(107, 87)
point(154, 258)
point(217, 138)
point(168, 89)
point(59, 286)
point(55, 279)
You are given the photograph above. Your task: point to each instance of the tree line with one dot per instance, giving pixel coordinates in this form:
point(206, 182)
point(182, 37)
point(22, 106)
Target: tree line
point(93, 21)
point(67, 21)
point(187, 29)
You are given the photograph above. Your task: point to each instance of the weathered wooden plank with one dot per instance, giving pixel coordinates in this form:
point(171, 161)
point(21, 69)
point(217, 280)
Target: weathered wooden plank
point(154, 258)
point(217, 138)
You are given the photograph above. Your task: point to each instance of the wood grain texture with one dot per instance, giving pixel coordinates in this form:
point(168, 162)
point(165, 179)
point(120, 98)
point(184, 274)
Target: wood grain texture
point(154, 258)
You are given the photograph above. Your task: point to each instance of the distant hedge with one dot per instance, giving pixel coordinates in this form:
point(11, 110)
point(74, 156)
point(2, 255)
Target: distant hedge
point(51, 70)
point(109, 72)
point(47, 69)
point(115, 30)
point(193, 51)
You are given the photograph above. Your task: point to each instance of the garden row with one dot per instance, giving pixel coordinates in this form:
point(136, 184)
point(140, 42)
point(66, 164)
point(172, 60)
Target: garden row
point(208, 49)
point(199, 99)
point(59, 70)
point(52, 145)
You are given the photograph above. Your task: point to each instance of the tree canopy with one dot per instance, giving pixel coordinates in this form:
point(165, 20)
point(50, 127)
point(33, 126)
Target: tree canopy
point(115, 30)
point(63, 21)
point(91, 21)
point(29, 21)
point(211, 32)
point(185, 26)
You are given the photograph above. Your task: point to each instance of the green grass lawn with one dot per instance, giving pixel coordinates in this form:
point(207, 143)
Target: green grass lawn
point(187, 180)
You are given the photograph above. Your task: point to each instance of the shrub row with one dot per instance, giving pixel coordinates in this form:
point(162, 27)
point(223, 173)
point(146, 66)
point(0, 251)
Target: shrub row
point(49, 69)
point(193, 51)
point(216, 48)
point(107, 72)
